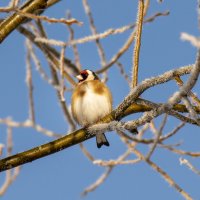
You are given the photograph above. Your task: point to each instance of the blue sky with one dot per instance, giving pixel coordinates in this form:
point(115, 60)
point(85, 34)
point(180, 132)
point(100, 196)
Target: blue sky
point(66, 174)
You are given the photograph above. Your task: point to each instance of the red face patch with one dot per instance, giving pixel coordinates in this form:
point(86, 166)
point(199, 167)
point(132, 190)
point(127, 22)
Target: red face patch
point(84, 72)
point(84, 75)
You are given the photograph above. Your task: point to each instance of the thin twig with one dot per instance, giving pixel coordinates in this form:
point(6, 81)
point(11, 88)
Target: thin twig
point(29, 124)
point(190, 38)
point(94, 32)
point(182, 152)
point(139, 22)
point(49, 20)
point(164, 174)
point(40, 69)
point(144, 85)
point(10, 178)
point(98, 182)
point(29, 82)
point(74, 46)
point(129, 41)
point(86, 152)
point(50, 52)
point(191, 94)
point(123, 73)
point(191, 110)
point(159, 133)
point(99, 36)
point(189, 165)
point(61, 65)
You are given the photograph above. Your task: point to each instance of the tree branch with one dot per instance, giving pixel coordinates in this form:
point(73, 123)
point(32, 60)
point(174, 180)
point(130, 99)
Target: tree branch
point(136, 53)
point(12, 22)
point(81, 135)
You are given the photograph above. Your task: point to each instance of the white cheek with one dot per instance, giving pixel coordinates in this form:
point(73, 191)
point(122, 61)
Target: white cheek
point(91, 108)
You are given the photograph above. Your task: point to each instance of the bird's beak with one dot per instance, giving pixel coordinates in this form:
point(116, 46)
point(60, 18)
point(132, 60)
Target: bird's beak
point(79, 77)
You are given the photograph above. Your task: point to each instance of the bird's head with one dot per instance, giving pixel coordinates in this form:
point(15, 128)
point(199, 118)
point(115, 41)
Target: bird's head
point(87, 75)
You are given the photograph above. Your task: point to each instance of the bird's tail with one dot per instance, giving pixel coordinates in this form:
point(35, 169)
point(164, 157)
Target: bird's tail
point(101, 140)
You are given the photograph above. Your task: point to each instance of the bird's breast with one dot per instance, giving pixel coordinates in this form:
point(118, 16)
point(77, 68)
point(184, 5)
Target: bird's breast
point(89, 107)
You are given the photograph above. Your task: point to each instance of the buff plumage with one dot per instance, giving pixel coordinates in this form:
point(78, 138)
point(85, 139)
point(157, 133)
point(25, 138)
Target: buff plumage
point(91, 100)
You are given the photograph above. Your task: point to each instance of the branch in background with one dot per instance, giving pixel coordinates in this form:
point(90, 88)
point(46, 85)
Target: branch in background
point(99, 181)
point(110, 166)
point(164, 174)
point(12, 22)
point(51, 52)
point(93, 29)
point(158, 135)
point(151, 110)
point(191, 94)
point(173, 112)
point(74, 47)
point(100, 36)
point(158, 169)
point(29, 124)
point(129, 41)
point(61, 69)
point(39, 67)
point(51, 55)
point(81, 135)
point(144, 85)
point(29, 83)
point(57, 82)
point(189, 165)
point(190, 38)
point(10, 177)
point(192, 112)
point(139, 22)
point(123, 73)
point(68, 22)
point(12, 5)
point(63, 142)
point(174, 99)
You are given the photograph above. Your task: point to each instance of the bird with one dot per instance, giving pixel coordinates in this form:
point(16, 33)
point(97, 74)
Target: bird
point(91, 100)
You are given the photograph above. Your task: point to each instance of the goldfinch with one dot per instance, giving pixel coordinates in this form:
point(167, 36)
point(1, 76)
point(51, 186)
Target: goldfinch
point(91, 100)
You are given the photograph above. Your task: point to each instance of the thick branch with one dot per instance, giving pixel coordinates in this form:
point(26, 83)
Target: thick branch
point(69, 140)
point(81, 135)
point(148, 83)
